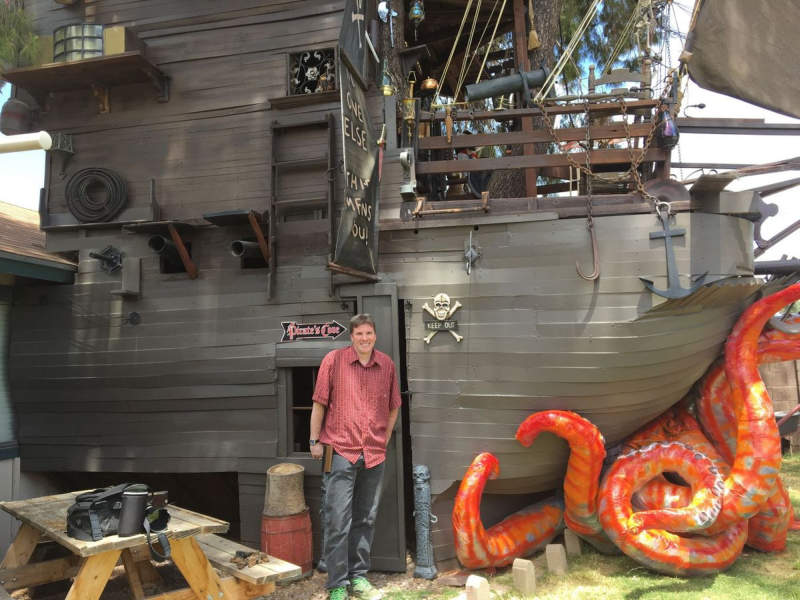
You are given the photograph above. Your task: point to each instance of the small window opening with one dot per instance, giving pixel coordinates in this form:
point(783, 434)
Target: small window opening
point(304, 379)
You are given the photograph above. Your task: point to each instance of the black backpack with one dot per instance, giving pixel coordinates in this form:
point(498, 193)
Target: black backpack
point(95, 514)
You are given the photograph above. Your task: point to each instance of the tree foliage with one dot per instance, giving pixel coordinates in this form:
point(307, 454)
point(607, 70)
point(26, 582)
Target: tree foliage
point(18, 42)
point(617, 21)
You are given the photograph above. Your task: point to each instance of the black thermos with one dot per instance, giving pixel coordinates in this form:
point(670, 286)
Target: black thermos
point(134, 500)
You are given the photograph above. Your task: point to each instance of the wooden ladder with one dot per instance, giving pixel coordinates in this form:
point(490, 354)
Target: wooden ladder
point(278, 206)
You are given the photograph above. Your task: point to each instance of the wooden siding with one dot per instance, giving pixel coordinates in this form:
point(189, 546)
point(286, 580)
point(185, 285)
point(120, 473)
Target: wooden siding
point(194, 386)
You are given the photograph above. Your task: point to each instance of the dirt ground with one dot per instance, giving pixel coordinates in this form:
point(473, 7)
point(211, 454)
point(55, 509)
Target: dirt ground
point(310, 588)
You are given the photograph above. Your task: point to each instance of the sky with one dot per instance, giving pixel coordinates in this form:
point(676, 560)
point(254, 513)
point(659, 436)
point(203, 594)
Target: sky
point(22, 174)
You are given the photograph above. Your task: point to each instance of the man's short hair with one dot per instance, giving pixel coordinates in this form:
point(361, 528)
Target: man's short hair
point(362, 319)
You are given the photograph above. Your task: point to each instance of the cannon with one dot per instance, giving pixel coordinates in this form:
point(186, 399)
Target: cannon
point(245, 249)
point(502, 86)
point(165, 248)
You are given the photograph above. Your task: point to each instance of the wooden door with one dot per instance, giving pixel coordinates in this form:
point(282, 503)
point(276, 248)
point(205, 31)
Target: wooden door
point(389, 546)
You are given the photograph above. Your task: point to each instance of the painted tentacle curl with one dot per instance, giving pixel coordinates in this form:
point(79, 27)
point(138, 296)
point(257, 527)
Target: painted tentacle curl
point(658, 549)
point(519, 534)
point(582, 479)
point(754, 474)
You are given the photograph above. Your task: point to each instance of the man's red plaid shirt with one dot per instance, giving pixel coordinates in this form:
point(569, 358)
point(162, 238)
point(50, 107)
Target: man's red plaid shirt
point(358, 399)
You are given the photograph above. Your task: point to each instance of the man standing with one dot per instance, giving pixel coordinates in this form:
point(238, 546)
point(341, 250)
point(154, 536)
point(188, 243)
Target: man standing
point(357, 397)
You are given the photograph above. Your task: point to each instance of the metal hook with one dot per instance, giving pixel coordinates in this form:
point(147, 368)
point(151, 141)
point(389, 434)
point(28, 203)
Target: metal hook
point(596, 273)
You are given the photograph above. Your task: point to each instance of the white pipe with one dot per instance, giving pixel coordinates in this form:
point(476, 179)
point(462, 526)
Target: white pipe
point(27, 141)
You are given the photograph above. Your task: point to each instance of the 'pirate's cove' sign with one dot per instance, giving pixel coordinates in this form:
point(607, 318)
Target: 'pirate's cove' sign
point(293, 330)
point(442, 313)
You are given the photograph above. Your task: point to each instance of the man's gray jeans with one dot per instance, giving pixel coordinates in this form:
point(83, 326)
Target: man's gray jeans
point(352, 495)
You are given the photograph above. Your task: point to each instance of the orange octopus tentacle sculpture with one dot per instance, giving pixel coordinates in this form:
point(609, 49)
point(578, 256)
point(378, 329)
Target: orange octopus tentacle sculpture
point(519, 534)
point(755, 469)
point(586, 453)
point(582, 480)
point(715, 410)
point(661, 550)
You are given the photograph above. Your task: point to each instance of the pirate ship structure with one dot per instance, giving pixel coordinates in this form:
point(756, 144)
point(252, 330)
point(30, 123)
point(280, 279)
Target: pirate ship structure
point(218, 171)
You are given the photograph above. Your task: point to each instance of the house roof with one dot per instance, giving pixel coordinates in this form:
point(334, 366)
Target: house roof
point(21, 241)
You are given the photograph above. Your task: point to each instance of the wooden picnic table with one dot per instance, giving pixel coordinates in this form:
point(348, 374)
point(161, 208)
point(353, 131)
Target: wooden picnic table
point(92, 563)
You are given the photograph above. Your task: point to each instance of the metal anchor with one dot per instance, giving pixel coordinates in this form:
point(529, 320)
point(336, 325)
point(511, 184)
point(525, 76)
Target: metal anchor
point(673, 279)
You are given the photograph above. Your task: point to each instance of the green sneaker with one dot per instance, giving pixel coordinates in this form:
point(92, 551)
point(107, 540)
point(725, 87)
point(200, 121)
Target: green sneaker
point(338, 593)
point(361, 588)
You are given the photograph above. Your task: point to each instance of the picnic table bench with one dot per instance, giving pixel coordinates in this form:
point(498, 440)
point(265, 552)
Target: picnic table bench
point(192, 539)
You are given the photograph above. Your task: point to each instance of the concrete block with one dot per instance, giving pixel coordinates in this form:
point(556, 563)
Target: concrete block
point(477, 588)
point(572, 542)
point(556, 557)
point(524, 572)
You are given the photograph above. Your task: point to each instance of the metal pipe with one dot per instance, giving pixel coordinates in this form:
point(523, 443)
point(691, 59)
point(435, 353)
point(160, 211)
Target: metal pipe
point(243, 248)
point(504, 85)
point(777, 267)
point(39, 140)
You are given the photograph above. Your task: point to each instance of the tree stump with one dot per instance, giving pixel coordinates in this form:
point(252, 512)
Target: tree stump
point(284, 494)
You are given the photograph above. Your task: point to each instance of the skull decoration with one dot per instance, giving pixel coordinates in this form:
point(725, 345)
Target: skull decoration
point(441, 306)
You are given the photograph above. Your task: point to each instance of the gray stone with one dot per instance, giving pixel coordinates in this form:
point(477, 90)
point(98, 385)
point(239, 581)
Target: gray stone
point(572, 542)
point(556, 559)
point(477, 588)
point(524, 572)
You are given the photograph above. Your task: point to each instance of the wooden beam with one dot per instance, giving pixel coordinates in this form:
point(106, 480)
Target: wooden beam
point(190, 267)
point(596, 157)
point(194, 566)
point(736, 126)
point(132, 573)
point(93, 576)
point(20, 550)
point(566, 134)
point(33, 574)
point(257, 229)
point(602, 108)
point(523, 66)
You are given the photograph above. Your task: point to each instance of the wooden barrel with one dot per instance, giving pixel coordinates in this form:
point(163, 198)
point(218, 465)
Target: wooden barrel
point(15, 117)
point(289, 538)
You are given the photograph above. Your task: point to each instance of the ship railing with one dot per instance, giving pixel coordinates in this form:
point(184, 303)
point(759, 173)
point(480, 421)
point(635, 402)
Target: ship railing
point(441, 144)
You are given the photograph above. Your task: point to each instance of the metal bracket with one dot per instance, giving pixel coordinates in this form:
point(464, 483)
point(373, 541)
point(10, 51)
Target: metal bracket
point(471, 254)
point(110, 259)
point(408, 189)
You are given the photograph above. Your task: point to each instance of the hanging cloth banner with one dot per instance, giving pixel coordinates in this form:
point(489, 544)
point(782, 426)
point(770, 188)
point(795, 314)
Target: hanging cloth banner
point(357, 237)
point(352, 45)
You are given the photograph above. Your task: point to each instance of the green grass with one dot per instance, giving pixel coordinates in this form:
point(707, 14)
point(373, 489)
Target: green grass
point(754, 576)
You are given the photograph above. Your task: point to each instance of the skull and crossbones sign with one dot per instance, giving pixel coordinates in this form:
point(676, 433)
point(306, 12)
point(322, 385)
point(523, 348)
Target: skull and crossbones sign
point(442, 310)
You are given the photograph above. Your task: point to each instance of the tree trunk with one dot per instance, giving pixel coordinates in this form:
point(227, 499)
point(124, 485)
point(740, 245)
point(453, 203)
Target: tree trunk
point(510, 183)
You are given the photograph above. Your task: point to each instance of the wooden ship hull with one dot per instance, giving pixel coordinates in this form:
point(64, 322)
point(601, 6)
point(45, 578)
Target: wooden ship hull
point(146, 371)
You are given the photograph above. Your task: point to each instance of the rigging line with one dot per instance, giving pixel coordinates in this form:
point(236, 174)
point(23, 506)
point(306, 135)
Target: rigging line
point(573, 44)
point(480, 39)
point(491, 41)
point(453, 50)
point(620, 41)
point(463, 74)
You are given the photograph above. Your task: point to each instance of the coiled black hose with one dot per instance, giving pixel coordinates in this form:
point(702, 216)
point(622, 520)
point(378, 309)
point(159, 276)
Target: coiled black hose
point(103, 206)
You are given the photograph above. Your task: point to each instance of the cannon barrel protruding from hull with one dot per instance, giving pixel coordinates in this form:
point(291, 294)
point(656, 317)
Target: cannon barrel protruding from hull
point(165, 248)
point(503, 86)
point(245, 249)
